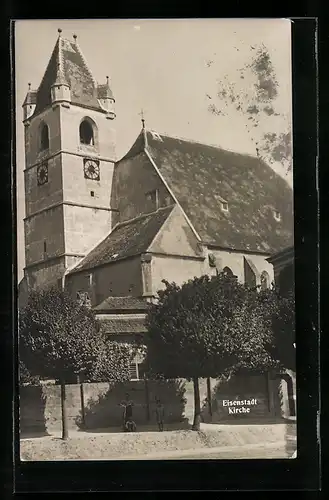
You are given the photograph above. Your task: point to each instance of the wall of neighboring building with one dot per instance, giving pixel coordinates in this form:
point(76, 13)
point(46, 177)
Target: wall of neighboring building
point(133, 178)
point(283, 266)
point(119, 279)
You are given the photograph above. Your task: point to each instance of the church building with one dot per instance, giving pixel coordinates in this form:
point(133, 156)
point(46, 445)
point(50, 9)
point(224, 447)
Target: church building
point(110, 230)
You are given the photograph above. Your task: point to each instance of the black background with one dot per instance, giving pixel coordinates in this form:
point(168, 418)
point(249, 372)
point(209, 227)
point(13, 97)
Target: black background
point(300, 474)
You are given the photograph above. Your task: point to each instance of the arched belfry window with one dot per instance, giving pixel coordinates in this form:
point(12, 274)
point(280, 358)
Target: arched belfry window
point(264, 280)
point(86, 132)
point(44, 137)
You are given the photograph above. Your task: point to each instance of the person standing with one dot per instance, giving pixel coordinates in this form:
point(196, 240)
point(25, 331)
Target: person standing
point(159, 410)
point(127, 404)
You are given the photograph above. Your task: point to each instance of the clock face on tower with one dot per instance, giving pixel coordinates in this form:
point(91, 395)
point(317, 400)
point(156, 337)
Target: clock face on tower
point(42, 174)
point(91, 169)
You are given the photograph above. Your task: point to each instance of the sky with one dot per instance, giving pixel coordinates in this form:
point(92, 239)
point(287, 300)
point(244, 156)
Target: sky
point(162, 67)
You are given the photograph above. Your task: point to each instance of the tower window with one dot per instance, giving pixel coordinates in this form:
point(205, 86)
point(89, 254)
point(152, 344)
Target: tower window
point(92, 193)
point(44, 247)
point(212, 260)
point(86, 133)
point(250, 273)
point(44, 139)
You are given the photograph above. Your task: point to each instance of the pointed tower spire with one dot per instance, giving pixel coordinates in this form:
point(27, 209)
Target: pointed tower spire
point(60, 82)
point(60, 78)
point(29, 103)
point(60, 89)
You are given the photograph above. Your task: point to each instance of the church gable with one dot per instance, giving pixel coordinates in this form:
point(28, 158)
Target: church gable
point(137, 188)
point(176, 237)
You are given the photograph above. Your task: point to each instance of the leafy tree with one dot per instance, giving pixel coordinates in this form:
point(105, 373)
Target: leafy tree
point(61, 339)
point(209, 327)
point(252, 92)
point(25, 377)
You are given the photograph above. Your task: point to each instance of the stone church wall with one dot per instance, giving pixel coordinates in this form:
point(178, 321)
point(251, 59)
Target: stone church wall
point(33, 151)
point(105, 137)
point(44, 236)
point(174, 269)
point(84, 228)
point(48, 194)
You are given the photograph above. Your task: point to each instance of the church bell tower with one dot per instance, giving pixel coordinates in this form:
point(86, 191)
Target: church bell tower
point(69, 160)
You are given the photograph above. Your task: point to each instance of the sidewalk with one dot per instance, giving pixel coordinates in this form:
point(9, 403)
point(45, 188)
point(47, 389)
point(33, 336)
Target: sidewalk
point(232, 441)
point(235, 452)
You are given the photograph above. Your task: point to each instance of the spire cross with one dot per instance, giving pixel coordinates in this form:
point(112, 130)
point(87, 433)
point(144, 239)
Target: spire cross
point(142, 117)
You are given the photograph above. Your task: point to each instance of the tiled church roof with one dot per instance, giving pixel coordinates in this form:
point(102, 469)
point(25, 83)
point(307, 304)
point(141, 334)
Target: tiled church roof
point(112, 304)
point(31, 97)
point(104, 91)
point(126, 240)
point(201, 176)
point(76, 73)
point(124, 325)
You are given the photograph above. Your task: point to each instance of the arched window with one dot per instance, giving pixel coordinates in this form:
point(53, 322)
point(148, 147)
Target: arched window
point(86, 133)
point(264, 280)
point(228, 271)
point(44, 137)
